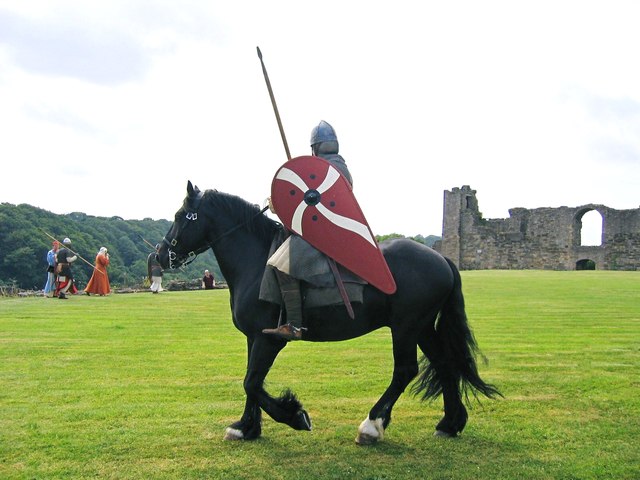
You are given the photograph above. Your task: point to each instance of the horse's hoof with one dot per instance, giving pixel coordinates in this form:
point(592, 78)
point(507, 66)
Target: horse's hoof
point(443, 434)
point(233, 434)
point(365, 440)
point(301, 421)
point(370, 432)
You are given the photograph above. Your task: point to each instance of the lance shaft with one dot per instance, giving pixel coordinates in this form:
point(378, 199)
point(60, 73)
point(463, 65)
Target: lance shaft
point(146, 241)
point(275, 107)
point(75, 253)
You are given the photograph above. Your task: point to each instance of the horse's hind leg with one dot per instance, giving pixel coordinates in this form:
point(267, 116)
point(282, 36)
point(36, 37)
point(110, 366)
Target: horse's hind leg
point(405, 368)
point(455, 414)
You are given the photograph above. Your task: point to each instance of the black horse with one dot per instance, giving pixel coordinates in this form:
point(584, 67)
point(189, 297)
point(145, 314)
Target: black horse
point(427, 311)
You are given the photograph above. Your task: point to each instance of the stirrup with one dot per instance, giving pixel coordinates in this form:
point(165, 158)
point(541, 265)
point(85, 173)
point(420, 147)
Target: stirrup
point(287, 331)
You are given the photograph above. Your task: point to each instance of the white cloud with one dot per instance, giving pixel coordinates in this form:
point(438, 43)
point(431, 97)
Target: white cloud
point(532, 104)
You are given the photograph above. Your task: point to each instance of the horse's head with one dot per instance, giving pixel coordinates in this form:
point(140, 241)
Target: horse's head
point(187, 237)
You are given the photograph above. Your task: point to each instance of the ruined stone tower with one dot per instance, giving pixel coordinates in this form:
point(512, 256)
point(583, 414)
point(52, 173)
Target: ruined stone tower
point(540, 238)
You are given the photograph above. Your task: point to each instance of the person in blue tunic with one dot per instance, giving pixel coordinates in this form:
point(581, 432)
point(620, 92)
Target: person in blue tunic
point(50, 286)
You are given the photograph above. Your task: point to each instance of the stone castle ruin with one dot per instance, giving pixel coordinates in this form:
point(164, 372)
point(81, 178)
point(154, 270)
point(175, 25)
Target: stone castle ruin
point(540, 238)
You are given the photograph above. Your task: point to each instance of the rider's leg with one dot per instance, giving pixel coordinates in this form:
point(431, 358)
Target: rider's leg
point(292, 300)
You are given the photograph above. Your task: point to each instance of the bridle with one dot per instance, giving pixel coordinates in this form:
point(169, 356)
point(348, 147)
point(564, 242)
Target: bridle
point(192, 216)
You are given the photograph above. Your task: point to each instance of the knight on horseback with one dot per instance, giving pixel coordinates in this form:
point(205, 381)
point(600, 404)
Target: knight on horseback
point(324, 144)
point(399, 284)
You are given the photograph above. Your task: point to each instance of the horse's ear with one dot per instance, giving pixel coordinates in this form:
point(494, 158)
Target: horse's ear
point(192, 189)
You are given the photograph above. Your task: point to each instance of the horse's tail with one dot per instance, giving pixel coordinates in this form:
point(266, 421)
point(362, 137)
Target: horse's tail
point(456, 351)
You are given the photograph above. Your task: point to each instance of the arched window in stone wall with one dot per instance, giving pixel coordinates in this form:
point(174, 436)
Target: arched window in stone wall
point(591, 231)
point(585, 264)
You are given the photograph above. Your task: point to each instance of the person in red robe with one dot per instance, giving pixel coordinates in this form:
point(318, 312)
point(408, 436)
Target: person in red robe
point(99, 282)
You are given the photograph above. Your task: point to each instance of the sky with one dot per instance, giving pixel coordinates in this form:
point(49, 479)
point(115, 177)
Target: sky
point(109, 108)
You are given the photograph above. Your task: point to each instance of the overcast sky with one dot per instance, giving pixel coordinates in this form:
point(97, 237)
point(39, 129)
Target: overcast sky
point(109, 107)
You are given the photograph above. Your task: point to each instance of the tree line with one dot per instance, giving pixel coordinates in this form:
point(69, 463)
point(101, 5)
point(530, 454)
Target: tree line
point(24, 244)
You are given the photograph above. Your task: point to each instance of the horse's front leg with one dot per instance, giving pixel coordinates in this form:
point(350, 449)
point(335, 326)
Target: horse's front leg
point(284, 409)
point(249, 427)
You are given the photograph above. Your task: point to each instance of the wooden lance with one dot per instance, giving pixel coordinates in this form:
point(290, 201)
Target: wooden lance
point(146, 241)
point(273, 103)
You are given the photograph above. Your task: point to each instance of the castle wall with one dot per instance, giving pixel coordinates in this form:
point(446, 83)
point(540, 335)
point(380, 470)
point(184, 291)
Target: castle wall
point(541, 238)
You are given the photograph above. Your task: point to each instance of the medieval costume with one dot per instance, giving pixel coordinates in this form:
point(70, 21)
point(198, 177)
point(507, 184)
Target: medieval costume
point(50, 286)
point(64, 259)
point(154, 270)
point(294, 251)
point(99, 282)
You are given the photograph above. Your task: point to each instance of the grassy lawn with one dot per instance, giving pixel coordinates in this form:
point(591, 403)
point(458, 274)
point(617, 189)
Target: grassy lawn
point(142, 386)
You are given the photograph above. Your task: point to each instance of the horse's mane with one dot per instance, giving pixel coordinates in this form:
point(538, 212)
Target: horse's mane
point(247, 213)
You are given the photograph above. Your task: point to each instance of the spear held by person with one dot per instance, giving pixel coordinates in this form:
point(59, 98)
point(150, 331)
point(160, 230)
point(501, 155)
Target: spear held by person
point(75, 253)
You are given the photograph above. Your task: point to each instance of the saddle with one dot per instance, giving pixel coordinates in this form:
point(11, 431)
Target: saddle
point(317, 282)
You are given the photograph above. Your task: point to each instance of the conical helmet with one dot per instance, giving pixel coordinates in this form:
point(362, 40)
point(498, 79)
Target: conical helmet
point(323, 132)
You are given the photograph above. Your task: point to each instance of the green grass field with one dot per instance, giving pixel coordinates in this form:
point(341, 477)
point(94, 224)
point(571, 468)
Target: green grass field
point(142, 386)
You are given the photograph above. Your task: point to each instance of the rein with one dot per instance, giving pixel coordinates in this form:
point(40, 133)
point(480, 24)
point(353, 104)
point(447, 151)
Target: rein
point(193, 216)
point(240, 225)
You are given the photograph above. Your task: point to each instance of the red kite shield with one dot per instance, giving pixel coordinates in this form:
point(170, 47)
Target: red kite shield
point(315, 201)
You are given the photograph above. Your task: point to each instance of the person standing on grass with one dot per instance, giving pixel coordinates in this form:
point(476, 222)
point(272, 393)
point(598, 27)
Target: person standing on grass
point(50, 286)
point(154, 270)
point(64, 258)
point(99, 282)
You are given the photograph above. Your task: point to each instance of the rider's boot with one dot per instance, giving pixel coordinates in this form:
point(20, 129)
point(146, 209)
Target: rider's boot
point(292, 300)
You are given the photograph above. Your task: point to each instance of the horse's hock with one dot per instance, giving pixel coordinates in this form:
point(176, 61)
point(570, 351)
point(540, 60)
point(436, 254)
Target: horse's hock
point(540, 238)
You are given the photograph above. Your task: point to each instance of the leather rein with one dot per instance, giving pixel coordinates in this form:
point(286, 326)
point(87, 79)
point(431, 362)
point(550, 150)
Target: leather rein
point(192, 216)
